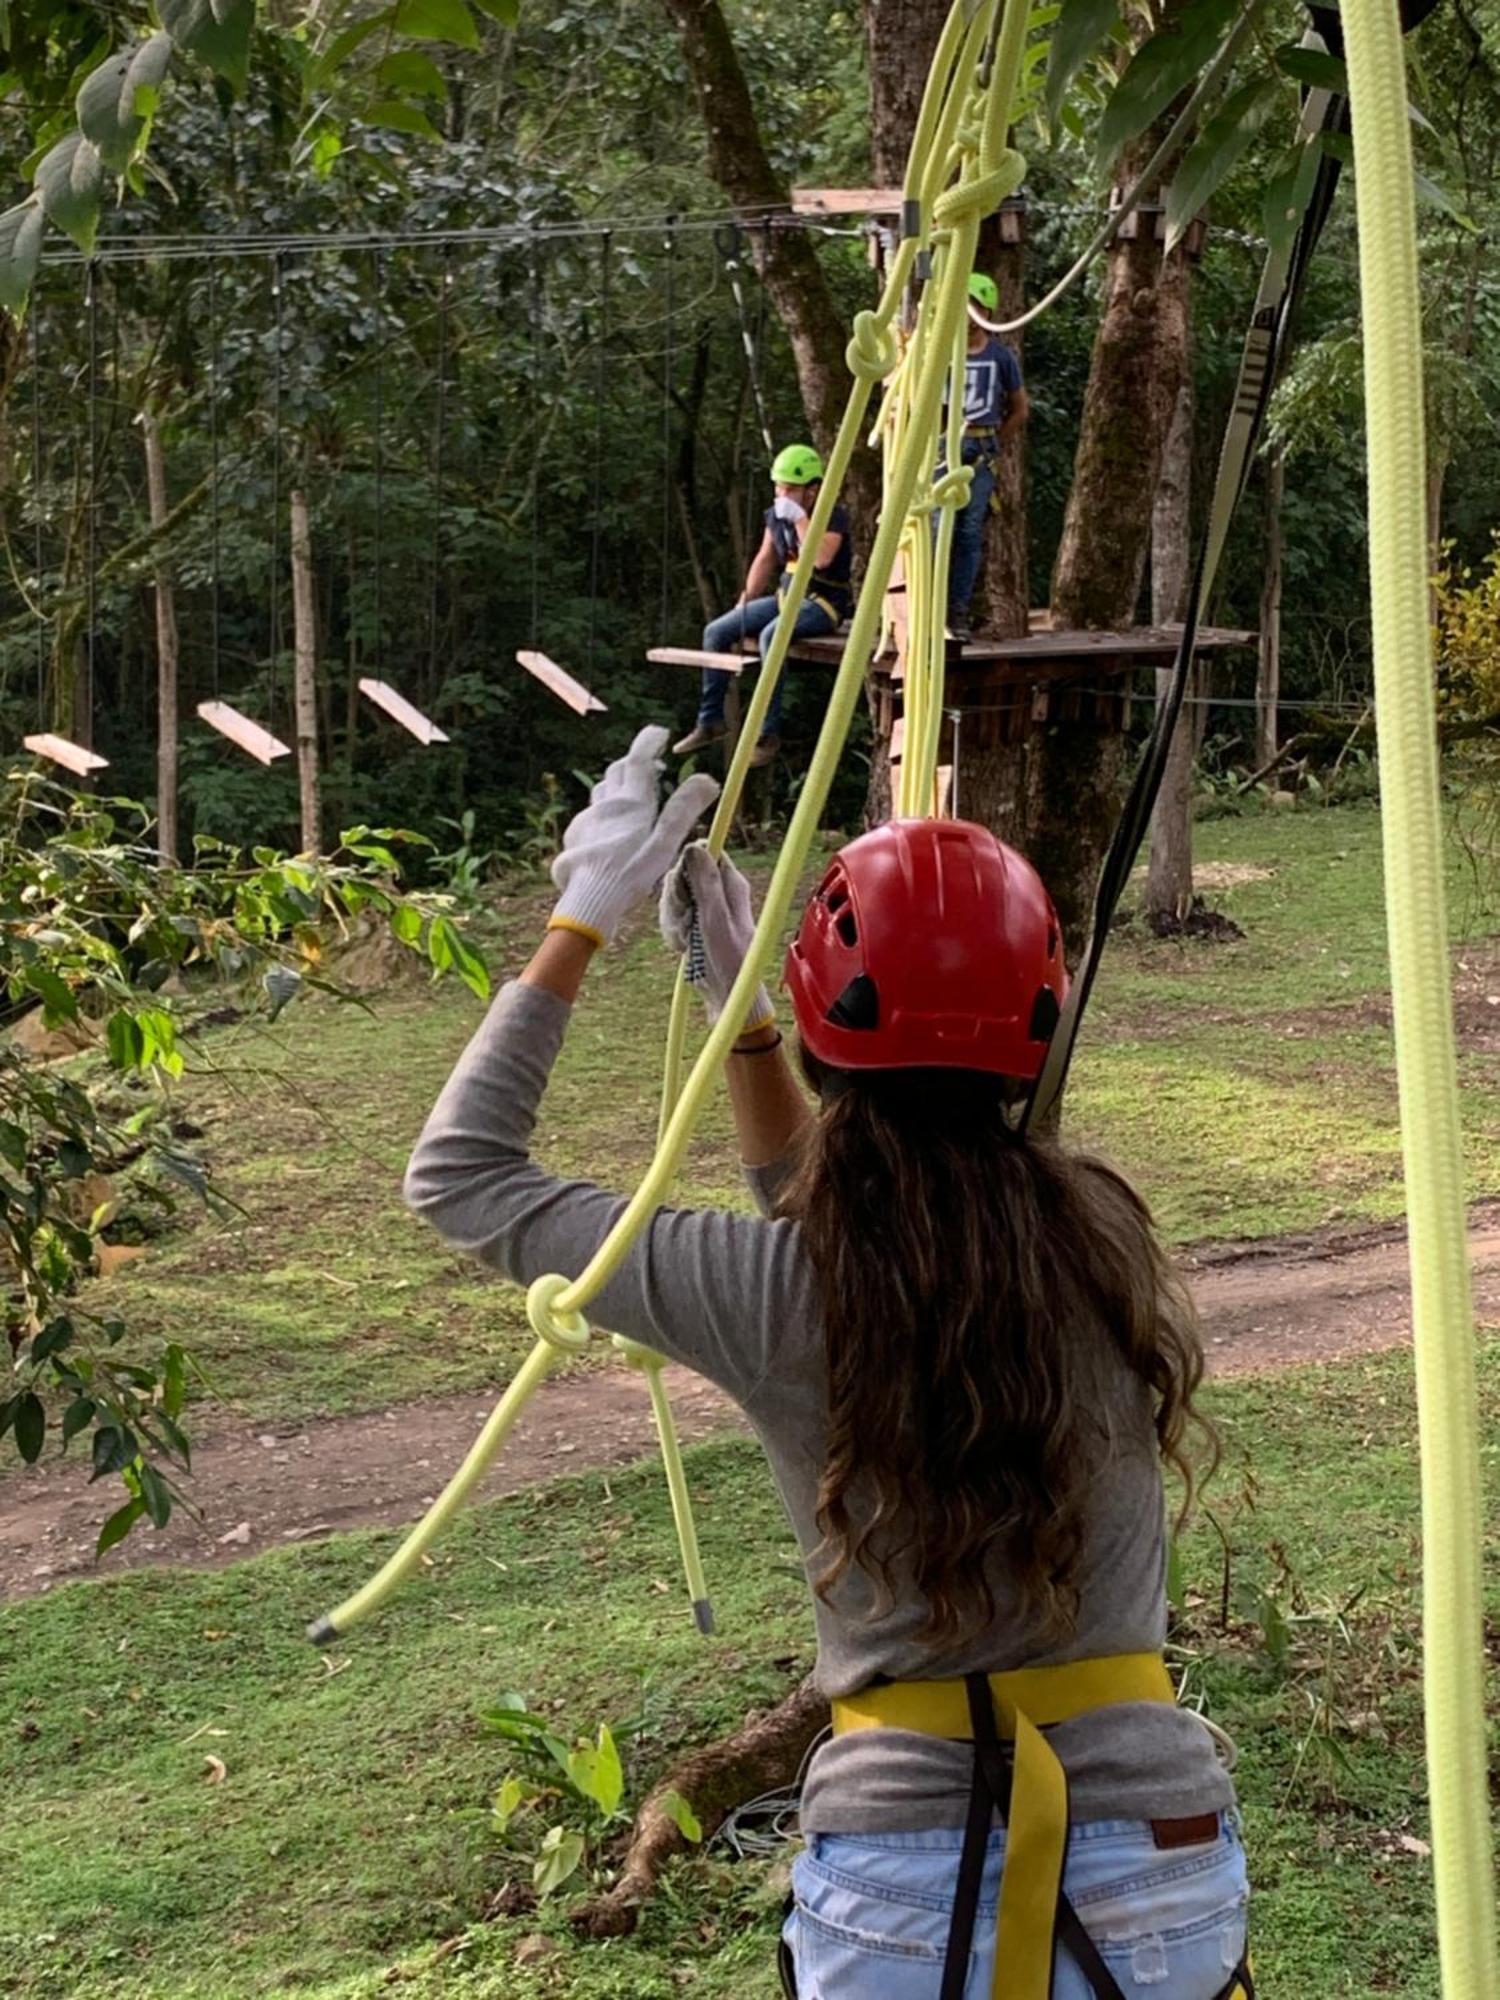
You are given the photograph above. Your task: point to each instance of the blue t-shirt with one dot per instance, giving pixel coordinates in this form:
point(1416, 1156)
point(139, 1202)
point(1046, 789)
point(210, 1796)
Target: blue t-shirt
point(991, 378)
point(831, 583)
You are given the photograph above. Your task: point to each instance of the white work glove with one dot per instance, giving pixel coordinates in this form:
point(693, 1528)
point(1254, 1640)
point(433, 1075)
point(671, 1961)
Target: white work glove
point(706, 913)
point(787, 509)
point(619, 847)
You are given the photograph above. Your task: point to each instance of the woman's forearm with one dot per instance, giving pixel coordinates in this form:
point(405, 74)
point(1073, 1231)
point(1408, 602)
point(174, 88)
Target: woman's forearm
point(769, 1109)
point(560, 961)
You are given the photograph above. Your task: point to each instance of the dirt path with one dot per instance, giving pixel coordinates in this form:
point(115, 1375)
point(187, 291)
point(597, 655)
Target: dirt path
point(1263, 1307)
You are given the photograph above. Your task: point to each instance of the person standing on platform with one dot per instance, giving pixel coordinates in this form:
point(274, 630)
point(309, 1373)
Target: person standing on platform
point(797, 472)
point(995, 409)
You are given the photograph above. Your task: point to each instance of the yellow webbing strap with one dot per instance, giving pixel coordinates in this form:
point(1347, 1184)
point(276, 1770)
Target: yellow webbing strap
point(960, 169)
point(1036, 1843)
point(1421, 990)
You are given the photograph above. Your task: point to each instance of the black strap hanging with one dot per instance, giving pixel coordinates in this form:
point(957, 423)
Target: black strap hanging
point(540, 434)
point(439, 430)
point(38, 505)
point(664, 622)
point(275, 600)
point(601, 385)
point(214, 357)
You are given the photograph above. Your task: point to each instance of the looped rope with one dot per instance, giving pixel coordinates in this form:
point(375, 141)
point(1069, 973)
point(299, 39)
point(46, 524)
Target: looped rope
point(974, 200)
point(952, 489)
point(568, 1332)
point(873, 350)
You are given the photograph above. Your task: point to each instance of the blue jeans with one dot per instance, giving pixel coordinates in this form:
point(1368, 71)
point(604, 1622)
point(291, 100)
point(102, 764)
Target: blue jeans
point(873, 1909)
point(757, 619)
point(968, 527)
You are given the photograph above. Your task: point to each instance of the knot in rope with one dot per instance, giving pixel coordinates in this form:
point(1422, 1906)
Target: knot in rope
point(952, 489)
point(568, 1332)
point(972, 200)
point(872, 352)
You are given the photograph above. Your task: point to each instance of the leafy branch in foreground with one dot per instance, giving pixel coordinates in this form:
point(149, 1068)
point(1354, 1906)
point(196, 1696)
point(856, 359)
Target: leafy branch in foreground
point(127, 958)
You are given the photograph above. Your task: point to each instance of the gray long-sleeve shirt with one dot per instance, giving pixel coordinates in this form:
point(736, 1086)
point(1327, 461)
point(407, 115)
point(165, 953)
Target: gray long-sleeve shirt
point(734, 1297)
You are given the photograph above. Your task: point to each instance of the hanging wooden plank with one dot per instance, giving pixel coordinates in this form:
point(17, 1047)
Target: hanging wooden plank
point(399, 709)
point(846, 201)
point(256, 742)
point(694, 656)
point(72, 756)
point(561, 683)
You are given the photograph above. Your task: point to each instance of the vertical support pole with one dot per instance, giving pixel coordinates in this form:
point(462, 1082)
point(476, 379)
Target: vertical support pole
point(304, 623)
point(166, 648)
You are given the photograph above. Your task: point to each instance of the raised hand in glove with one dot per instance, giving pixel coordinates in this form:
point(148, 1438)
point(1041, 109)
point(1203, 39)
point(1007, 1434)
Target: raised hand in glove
point(706, 913)
point(621, 845)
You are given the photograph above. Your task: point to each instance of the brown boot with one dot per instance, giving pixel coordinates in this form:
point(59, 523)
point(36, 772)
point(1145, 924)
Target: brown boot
point(764, 752)
point(699, 737)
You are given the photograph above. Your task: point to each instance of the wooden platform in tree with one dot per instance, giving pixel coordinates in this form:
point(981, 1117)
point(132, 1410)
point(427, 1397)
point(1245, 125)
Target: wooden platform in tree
point(1047, 655)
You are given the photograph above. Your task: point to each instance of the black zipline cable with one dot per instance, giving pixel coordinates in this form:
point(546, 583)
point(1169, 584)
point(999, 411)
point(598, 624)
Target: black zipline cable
point(37, 508)
point(664, 622)
point(601, 385)
point(215, 358)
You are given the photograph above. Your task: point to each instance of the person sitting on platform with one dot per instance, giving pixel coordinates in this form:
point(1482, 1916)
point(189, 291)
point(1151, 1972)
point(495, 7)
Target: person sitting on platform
point(995, 408)
point(798, 473)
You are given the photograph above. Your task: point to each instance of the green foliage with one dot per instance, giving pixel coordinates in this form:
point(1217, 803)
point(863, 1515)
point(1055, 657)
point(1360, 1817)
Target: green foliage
point(100, 939)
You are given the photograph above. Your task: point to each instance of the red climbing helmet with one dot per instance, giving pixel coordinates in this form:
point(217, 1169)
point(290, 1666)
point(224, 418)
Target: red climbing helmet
point(928, 945)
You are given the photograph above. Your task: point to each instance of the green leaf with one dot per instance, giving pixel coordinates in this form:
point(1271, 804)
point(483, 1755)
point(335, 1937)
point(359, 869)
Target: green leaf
point(447, 949)
point(119, 1525)
point(1435, 195)
point(215, 31)
point(126, 1043)
point(156, 1493)
point(344, 45)
point(173, 1380)
point(1313, 67)
point(71, 183)
point(282, 985)
point(506, 12)
point(681, 1814)
point(1159, 69)
point(76, 1417)
point(595, 1771)
point(326, 149)
point(110, 112)
point(395, 116)
point(114, 1449)
point(437, 21)
point(52, 1339)
point(59, 1002)
point(12, 1145)
point(509, 1800)
point(1082, 29)
point(30, 1423)
point(559, 1858)
point(405, 922)
point(21, 247)
point(1216, 150)
point(410, 71)
point(1288, 191)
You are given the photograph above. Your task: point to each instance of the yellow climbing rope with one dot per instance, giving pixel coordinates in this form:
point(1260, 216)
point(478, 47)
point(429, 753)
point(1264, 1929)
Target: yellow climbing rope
point(1442, 1306)
point(960, 170)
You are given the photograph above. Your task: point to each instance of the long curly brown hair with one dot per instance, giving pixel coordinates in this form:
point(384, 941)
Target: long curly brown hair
point(964, 1276)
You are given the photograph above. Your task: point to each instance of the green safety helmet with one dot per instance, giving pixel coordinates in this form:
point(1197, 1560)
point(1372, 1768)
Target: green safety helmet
point(984, 291)
point(796, 465)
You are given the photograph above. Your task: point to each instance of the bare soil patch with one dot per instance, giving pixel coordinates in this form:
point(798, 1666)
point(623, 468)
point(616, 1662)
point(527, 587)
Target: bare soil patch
point(1265, 1306)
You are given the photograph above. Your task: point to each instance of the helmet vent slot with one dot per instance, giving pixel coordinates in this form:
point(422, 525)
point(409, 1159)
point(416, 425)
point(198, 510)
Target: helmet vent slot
point(846, 927)
point(1044, 1015)
point(858, 1006)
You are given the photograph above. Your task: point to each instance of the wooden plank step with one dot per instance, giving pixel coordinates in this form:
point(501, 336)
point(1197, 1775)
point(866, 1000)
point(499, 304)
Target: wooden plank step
point(561, 683)
point(399, 709)
point(249, 736)
point(71, 756)
point(694, 656)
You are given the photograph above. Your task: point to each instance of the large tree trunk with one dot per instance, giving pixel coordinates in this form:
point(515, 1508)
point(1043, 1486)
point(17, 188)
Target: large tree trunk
point(1002, 597)
point(785, 258)
point(900, 38)
point(305, 669)
point(166, 649)
point(1169, 876)
point(1268, 661)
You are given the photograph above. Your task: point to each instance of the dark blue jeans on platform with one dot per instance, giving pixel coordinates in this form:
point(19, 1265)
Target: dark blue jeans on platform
point(755, 620)
point(968, 527)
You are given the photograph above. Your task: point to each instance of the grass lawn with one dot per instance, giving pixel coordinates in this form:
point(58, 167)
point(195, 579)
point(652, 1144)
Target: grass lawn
point(346, 1847)
point(1248, 1087)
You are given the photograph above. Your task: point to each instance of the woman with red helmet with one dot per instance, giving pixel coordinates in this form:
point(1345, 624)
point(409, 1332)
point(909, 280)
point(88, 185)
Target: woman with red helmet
point(967, 1359)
